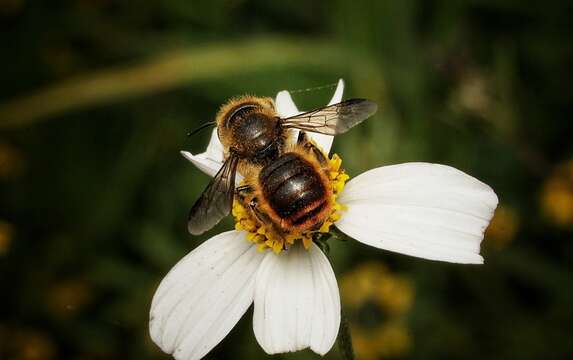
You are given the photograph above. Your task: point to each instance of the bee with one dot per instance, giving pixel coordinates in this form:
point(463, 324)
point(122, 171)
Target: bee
point(291, 193)
point(254, 136)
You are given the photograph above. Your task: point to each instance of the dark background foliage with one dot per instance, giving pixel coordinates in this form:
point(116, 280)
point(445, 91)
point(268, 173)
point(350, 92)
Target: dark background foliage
point(97, 96)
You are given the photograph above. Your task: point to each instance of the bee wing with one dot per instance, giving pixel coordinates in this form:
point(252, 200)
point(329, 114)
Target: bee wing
point(216, 201)
point(333, 119)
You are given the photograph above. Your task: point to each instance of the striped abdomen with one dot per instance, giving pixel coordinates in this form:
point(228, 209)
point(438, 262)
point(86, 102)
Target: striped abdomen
point(295, 192)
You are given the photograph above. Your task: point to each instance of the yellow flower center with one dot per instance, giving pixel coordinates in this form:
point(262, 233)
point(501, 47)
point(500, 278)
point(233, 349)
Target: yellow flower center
point(266, 237)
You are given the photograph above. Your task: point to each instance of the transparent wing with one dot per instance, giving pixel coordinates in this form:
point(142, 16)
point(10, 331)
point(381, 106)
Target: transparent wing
point(333, 119)
point(216, 201)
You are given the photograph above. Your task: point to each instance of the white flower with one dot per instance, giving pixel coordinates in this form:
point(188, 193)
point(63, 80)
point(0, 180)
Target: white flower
point(425, 210)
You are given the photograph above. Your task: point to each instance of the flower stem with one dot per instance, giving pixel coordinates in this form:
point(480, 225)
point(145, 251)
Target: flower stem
point(345, 338)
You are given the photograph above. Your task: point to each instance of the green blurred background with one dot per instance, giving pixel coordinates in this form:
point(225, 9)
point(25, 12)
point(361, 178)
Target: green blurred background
point(95, 102)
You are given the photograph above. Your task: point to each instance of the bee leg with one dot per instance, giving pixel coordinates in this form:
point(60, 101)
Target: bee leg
point(261, 217)
point(244, 188)
point(242, 191)
point(250, 203)
point(318, 154)
point(309, 146)
point(302, 138)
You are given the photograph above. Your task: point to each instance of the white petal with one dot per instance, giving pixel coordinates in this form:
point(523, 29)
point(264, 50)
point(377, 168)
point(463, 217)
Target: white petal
point(203, 162)
point(297, 304)
point(215, 148)
point(419, 209)
point(325, 141)
point(284, 105)
point(211, 160)
point(337, 97)
point(204, 295)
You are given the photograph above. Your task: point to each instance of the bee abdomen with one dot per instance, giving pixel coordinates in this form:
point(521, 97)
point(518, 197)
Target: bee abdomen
point(294, 190)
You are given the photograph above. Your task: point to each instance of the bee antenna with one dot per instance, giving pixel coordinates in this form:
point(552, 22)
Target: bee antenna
point(205, 125)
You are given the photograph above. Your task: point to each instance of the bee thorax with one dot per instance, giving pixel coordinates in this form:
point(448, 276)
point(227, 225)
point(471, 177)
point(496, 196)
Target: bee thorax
point(257, 136)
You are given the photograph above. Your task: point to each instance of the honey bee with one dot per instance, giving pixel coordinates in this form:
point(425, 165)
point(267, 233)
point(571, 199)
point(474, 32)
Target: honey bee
point(254, 136)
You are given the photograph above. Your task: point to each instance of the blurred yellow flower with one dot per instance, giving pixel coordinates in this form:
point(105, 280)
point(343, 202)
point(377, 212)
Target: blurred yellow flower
point(67, 298)
point(557, 195)
point(6, 232)
point(386, 341)
point(502, 228)
point(376, 302)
